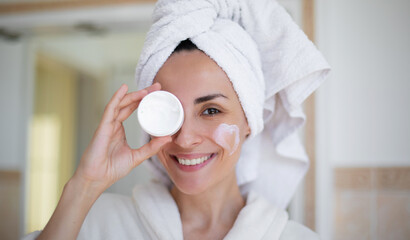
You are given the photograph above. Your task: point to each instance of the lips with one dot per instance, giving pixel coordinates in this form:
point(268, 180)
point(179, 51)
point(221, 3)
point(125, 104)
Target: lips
point(192, 162)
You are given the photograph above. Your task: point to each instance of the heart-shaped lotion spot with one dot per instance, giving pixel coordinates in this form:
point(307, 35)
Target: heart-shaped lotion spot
point(227, 136)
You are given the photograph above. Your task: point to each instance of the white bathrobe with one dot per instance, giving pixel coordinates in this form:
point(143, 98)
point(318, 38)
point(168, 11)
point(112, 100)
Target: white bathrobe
point(153, 214)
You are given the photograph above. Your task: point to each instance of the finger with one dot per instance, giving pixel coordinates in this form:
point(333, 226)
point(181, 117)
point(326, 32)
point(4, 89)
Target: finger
point(149, 149)
point(132, 97)
point(126, 112)
point(131, 102)
point(137, 96)
point(153, 87)
point(112, 106)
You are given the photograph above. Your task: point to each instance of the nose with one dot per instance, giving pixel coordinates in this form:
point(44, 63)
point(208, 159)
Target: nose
point(189, 135)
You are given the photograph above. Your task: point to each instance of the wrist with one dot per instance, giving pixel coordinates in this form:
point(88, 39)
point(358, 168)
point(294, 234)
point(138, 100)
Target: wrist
point(75, 203)
point(83, 189)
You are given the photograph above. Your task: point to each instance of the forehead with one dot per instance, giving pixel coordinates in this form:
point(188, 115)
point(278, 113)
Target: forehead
point(193, 72)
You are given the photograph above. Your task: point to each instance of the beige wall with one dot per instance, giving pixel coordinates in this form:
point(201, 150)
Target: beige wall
point(52, 144)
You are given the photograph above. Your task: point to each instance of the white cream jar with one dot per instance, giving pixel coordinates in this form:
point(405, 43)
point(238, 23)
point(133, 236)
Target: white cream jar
point(160, 113)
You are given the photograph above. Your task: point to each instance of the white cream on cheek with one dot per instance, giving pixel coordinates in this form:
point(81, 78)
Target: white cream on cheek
point(227, 136)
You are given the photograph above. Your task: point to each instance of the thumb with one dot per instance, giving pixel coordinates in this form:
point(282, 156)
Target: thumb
point(148, 150)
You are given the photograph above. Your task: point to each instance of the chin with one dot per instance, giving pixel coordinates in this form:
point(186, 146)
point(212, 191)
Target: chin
point(192, 179)
point(192, 186)
point(198, 178)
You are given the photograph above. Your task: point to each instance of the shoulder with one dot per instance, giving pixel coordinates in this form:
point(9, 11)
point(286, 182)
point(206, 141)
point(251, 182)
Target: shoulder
point(295, 231)
point(111, 205)
point(111, 215)
point(113, 202)
point(287, 229)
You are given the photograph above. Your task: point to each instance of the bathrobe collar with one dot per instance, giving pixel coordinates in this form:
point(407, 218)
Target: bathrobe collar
point(159, 213)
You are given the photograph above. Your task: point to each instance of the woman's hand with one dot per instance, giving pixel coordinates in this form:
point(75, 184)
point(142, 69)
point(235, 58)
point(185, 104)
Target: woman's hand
point(109, 157)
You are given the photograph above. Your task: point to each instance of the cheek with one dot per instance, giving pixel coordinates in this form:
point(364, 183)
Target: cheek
point(227, 136)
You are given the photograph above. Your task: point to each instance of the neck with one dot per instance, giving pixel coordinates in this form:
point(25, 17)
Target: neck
point(214, 208)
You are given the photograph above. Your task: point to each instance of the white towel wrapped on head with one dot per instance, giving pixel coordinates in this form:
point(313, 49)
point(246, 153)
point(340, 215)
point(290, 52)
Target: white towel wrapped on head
point(273, 68)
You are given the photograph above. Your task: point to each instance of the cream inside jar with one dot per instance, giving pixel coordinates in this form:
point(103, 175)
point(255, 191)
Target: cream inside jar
point(160, 113)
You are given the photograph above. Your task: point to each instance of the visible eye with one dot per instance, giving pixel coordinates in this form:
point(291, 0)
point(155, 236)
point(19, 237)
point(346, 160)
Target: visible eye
point(210, 111)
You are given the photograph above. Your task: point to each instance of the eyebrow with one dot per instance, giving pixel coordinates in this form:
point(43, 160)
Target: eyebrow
point(209, 97)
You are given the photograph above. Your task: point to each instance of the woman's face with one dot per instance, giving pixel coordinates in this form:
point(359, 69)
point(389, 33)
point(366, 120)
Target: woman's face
point(206, 148)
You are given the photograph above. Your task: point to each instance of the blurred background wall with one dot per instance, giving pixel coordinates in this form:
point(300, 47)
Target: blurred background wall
point(362, 113)
point(60, 62)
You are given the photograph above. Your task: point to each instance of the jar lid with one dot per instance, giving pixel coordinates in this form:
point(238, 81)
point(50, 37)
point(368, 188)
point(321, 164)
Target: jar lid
point(160, 113)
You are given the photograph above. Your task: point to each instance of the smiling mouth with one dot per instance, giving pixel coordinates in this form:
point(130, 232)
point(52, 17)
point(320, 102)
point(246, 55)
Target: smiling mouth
point(193, 161)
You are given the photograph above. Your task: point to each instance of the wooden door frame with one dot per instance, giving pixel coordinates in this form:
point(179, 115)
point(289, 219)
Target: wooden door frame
point(310, 136)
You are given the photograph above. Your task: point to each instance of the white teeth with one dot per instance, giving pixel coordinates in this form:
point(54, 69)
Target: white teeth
point(194, 161)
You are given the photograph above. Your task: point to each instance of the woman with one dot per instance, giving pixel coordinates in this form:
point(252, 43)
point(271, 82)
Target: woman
point(223, 91)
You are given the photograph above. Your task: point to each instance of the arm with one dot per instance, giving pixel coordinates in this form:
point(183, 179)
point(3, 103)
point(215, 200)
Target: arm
point(107, 159)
